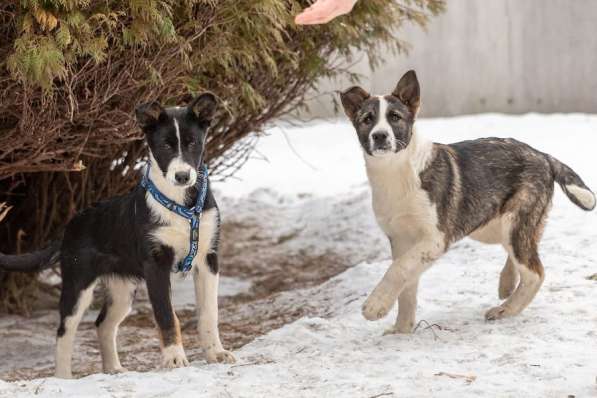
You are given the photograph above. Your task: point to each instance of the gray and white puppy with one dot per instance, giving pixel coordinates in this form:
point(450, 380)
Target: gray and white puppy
point(427, 196)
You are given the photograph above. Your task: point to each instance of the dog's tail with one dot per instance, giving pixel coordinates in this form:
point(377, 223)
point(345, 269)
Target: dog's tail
point(572, 185)
point(31, 262)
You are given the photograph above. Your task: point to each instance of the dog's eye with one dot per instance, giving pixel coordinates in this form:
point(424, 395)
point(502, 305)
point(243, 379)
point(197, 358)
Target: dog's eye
point(166, 145)
point(394, 117)
point(192, 144)
point(368, 119)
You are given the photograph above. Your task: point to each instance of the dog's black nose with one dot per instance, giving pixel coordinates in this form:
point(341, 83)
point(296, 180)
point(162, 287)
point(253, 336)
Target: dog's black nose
point(379, 137)
point(182, 177)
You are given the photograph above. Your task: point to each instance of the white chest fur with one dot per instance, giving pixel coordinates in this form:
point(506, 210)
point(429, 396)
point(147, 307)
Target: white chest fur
point(176, 229)
point(402, 208)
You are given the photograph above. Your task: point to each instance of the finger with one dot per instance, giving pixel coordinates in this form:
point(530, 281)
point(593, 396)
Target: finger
point(311, 19)
point(307, 19)
point(315, 21)
point(317, 12)
point(316, 16)
point(347, 6)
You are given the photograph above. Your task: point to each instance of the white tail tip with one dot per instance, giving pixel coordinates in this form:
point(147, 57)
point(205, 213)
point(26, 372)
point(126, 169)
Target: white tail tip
point(584, 196)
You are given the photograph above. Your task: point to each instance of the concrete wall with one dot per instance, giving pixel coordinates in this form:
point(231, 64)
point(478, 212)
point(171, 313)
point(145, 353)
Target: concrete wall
point(510, 56)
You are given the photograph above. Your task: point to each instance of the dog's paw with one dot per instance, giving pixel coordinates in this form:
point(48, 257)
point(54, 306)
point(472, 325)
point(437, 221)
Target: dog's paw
point(115, 370)
point(377, 305)
point(398, 330)
point(174, 357)
point(222, 356)
point(63, 375)
point(498, 312)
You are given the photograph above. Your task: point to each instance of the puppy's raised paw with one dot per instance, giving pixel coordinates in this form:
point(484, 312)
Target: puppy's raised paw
point(220, 357)
point(498, 312)
point(377, 305)
point(174, 357)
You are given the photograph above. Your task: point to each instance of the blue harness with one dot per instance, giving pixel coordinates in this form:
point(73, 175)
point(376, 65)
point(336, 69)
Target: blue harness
point(192, 214)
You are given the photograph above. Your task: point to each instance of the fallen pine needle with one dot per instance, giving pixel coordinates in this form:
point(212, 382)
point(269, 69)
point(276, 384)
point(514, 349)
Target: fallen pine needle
point(383, 394)
point(467, 378)
point(262, 362)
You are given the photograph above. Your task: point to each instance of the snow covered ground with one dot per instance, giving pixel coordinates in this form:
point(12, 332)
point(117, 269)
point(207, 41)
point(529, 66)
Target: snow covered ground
point(550, 350)
point(185, 289)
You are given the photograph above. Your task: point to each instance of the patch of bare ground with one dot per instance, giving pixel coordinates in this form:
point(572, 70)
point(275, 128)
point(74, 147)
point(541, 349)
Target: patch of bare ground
point(278, 246)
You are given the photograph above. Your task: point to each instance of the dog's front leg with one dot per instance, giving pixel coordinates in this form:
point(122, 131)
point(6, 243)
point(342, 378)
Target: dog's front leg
point(206, 292)
point(407, 309)
point(404, 271)
point(407, 300)
point(158, 287)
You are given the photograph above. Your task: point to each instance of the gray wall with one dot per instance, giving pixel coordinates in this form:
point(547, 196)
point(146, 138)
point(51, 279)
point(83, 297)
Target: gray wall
point(510, 56)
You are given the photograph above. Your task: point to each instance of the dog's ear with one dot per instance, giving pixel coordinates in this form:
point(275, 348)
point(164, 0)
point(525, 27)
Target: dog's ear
point(204, 106)
point(148, 114)
point(408, 91)
point(352, 99)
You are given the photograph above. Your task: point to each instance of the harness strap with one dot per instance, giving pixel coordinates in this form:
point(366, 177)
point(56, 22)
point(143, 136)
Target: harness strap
point(192, 214)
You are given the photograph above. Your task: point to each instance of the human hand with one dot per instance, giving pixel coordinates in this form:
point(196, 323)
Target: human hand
point(323, 11)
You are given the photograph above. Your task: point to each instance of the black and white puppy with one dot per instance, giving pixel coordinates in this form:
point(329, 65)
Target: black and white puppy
point(131, 238)
point(427, 196)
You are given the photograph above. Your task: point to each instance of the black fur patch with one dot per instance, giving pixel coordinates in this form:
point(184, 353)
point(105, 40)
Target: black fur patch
point(103, 312)
point(158, 287)
point(212, 262)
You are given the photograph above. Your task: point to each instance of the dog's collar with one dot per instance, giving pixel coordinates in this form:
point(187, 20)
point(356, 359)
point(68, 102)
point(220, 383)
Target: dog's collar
point(193, 214)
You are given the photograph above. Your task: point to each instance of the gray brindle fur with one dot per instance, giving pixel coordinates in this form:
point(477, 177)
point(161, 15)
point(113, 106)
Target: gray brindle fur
point(427, 196)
